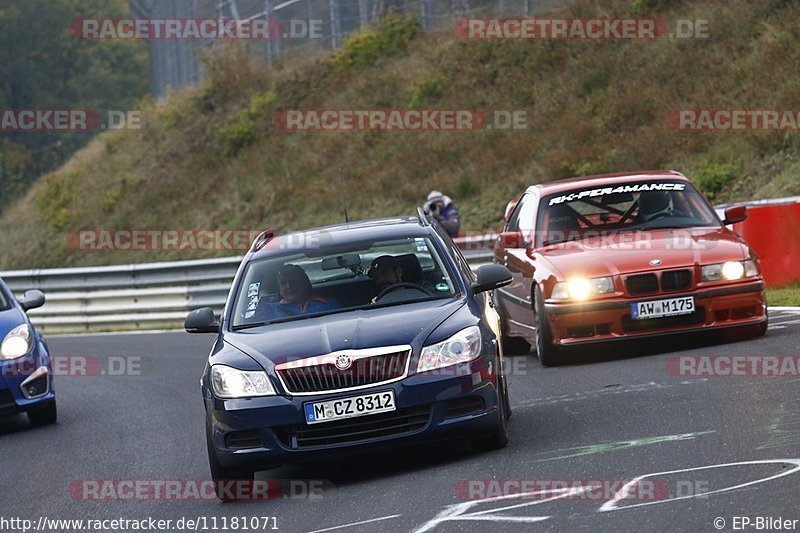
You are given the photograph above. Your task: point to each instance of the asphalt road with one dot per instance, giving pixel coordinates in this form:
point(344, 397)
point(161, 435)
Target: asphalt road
point(609, 417)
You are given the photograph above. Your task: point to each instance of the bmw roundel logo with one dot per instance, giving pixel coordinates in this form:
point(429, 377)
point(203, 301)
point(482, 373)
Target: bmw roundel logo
point(343, 362)
point(655, 262)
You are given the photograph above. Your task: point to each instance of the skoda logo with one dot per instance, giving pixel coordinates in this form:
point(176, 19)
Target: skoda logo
point(343, 362)
point(655, 262)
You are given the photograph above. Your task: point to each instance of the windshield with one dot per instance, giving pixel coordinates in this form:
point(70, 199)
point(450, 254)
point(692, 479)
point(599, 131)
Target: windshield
point(3, 302)
point(362, 276)
point(599, 211)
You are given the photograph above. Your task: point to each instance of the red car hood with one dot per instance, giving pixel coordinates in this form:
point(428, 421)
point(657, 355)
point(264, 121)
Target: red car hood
point(630, 252)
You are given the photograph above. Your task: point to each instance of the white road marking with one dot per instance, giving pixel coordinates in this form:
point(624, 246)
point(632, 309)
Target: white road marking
point(611, 505)
point(457, 512)
point(784, 322)
point(642, 387)
point(356, 523)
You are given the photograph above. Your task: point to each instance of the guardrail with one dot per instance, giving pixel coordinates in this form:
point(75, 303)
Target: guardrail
point(145, 296)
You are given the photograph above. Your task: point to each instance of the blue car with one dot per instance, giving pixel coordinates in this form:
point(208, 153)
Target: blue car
point(348, 337)
point(26, 370)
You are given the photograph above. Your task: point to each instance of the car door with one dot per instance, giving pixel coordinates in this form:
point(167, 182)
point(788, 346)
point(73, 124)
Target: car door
point(511, 251)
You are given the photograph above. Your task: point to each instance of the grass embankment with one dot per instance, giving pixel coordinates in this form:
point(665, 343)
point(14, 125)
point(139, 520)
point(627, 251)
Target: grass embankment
point(209, 157)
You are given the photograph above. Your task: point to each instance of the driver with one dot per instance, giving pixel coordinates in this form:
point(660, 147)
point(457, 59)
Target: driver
point(385, 271)
point(655, 204)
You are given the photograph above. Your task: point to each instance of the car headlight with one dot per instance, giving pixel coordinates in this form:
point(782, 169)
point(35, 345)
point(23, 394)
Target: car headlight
point(582, 288)
point(17, 343)
point(462, 347)
point(729, 270)
point(229, 382)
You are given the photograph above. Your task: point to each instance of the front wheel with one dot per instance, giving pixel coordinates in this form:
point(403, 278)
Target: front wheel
point(45, 415)
point(498, 439)
point(761, 329)
point(229, 484)
point(546, 351)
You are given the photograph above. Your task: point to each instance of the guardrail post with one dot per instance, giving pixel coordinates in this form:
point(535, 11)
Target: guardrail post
point(425, 13)
point(333, 8)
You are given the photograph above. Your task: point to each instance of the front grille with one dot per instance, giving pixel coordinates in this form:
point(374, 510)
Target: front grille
point(642, 284)
point(470, 405)
point(676, 280)
point(326, 376)
point(354, 430)
point(7, 403)
point(630, 325)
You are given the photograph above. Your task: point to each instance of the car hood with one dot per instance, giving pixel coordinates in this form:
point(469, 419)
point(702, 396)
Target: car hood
point(631, 252)
point(9, 319)
point(389, 326)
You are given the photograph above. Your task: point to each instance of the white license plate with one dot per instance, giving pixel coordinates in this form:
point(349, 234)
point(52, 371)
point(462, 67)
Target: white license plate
point(662, 308)
point(368, 404)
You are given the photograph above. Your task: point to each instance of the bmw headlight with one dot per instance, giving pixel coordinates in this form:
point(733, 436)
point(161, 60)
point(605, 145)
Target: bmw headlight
point(729, 270)
point(582, 288)
point(462, 347)
point(229, 382)
point(17, 343)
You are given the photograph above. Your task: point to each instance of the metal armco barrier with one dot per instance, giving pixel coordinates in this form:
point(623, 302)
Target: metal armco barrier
point(772, 229)
point(145, 296)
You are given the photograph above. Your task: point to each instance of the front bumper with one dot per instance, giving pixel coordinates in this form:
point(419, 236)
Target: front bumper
point(25, 383)
point(262, 433)
point(738, 305)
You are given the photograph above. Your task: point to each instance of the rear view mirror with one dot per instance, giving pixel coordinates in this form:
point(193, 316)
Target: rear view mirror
point(341, 261)
point(735, 214)
point(511, 239)
point(32, 299)
point(491, 277)
point(617, 198)
point(201, 321)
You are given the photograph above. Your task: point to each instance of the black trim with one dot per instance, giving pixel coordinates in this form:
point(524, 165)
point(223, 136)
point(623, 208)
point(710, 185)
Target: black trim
point(516, 299)
point(634, 336)
point(560, 309)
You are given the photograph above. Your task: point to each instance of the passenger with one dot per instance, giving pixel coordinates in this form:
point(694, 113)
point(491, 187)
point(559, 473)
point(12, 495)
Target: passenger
point(443, 209)
point(296, 296)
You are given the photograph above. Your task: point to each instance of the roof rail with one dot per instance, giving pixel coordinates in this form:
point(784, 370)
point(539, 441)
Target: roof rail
point(263, 238)
point(424, 219)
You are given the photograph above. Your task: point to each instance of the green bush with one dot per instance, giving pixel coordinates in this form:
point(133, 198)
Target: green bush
point(425, 91)
point(54, 199)
point(644, 6)
point(713, 177)
point(244, 132)
point(367, 47)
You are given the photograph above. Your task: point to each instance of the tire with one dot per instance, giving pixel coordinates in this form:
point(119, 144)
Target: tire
point(761, 329)
point(43, 416)
point(498, 439)
point(513, 346)
point(220, 474)
point(546, 351)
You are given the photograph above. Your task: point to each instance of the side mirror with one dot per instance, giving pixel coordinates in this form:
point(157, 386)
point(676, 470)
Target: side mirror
point(735, 214)
point(32, 299)
point(511, 239)
point(201, 321)
point(491, 277)
point(510, 209)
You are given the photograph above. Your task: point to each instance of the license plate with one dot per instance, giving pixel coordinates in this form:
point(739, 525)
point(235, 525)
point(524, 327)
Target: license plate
point(663, 308)
point(368, 404)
